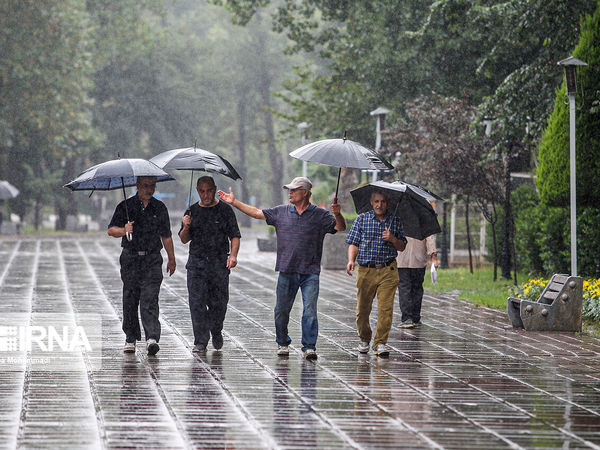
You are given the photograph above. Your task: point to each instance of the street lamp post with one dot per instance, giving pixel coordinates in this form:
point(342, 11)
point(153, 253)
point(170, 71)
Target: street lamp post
point(380, 113)
point(570, 64)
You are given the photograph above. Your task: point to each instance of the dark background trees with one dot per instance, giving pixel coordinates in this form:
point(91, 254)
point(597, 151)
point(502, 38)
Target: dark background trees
point(83, 81)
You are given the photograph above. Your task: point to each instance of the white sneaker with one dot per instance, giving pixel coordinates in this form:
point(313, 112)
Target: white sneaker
point(152, 346)
point(363, 347)
point(382, 350)
point(129, 347)
point(283, 350)
point(310, 353)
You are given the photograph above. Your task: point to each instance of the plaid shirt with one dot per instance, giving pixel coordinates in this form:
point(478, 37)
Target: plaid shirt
point(366, 233)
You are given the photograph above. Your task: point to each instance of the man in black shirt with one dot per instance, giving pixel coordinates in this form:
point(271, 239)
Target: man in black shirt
point(210, 225)
point(141, 261)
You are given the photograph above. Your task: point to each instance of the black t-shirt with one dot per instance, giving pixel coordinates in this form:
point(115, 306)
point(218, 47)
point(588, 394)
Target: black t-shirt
point(211, 229)
point(151, 224)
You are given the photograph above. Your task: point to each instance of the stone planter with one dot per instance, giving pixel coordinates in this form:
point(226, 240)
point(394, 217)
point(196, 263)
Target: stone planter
point(335, 251)
point(267, 245)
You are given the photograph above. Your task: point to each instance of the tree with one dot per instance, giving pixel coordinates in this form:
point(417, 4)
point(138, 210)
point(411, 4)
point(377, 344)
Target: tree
point(440, 151)
point(553, 169)
point(46, 112)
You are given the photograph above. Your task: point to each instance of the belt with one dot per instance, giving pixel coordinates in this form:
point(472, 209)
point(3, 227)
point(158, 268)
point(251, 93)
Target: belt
point(378, 266)
point(138, 253)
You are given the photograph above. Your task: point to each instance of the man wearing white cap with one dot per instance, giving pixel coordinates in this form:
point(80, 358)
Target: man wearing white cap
point(301, 228)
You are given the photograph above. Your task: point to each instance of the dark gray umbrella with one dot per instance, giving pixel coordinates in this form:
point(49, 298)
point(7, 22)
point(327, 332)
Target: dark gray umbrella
point(410, 203)
point(7, 190)
point(117, 174)
point(342, 153)
point(192, 158)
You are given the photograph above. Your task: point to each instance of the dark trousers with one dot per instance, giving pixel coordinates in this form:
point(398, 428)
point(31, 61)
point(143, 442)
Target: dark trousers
point(208, 290)
point(141, 276)
point(410, 292)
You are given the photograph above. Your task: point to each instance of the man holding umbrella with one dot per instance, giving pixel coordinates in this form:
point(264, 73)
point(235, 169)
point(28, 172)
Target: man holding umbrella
point(374, 241)
point(211, 226)
point(141, 261)
point(301, 228)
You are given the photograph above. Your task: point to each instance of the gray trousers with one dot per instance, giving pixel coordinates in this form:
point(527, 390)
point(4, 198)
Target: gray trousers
point(410, 292)
point(141, 276)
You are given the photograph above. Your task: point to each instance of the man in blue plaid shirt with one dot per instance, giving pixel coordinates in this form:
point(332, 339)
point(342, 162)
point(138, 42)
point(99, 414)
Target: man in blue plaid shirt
point(375, 239)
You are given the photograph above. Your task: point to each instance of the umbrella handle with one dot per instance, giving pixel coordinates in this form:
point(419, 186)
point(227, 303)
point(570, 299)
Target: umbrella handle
point(129, 236)
point(337, 186)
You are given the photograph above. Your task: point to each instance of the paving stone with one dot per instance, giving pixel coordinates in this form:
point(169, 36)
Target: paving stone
point(461, 380)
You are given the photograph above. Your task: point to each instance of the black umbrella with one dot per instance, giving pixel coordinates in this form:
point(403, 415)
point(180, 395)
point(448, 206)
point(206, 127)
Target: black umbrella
point(7, 190)
point(410, 203)
point(117, 174)
point(192, 158)
point(342, 153)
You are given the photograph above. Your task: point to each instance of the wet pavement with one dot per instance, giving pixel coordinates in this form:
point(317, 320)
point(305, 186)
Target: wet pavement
point(464, 379)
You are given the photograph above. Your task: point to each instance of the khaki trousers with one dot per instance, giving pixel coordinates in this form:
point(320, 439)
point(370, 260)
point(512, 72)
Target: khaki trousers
point(382, 283)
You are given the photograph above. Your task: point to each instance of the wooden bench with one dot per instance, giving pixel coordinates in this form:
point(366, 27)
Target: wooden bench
point(557, 309)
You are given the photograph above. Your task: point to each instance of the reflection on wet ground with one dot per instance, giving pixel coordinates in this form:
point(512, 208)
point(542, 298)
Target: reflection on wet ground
point(463, 379)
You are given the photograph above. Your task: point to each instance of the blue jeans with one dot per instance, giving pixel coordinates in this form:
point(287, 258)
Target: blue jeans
point(287, 288)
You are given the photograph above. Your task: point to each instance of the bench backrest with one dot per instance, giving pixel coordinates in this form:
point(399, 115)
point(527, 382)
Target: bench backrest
point(553, 288)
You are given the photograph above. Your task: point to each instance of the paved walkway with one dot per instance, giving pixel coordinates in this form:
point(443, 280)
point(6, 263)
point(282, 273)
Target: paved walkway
point(462, 380)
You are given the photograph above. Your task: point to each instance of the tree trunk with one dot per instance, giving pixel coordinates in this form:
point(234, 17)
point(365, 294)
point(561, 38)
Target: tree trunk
point(347, 183)
point(495, 255)
point(37, 214)
point(444, 256)
point(243, 219)
point(468, 234)
point(275, 182)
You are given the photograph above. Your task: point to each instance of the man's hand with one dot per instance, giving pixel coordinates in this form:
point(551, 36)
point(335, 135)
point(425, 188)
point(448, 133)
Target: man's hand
point(350, 267)
point(128, 227)
point(388, 236)
point(171, 264)
point(227, 198)
point(336, 208)
point(186, 220)
point(231, 261)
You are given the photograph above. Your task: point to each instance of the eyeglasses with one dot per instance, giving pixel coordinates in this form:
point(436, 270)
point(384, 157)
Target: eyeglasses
point(148, 186)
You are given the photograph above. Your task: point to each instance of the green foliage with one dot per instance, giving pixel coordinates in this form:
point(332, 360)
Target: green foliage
point(527, 219)
point(542, 236)
point(553, 170)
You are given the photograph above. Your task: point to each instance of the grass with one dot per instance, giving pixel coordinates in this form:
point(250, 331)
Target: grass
point(478, 287)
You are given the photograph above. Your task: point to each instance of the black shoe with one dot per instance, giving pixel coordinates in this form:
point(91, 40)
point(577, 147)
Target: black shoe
point(152, 346)
point(217, 341)
point(200, 348)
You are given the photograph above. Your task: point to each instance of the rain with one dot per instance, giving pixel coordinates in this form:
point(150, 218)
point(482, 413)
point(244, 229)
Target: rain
point(460, 105)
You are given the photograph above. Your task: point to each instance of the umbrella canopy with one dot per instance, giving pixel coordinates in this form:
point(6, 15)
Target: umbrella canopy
point(410, 203)
point(341, 153)
point(192, 158)
point(7, 190)
point(116, 174)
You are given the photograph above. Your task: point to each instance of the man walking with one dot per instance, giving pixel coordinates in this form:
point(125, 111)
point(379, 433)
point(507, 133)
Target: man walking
point(411, 273)
point(210, 225)
point(301, 228)
point(374, 241)
point(141, 261)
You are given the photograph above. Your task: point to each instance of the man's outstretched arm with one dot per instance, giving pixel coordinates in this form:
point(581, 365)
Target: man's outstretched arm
point(246, 209)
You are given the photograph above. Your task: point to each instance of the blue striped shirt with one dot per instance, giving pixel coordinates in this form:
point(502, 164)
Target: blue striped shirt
point(366, 233)
point(299, 237)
